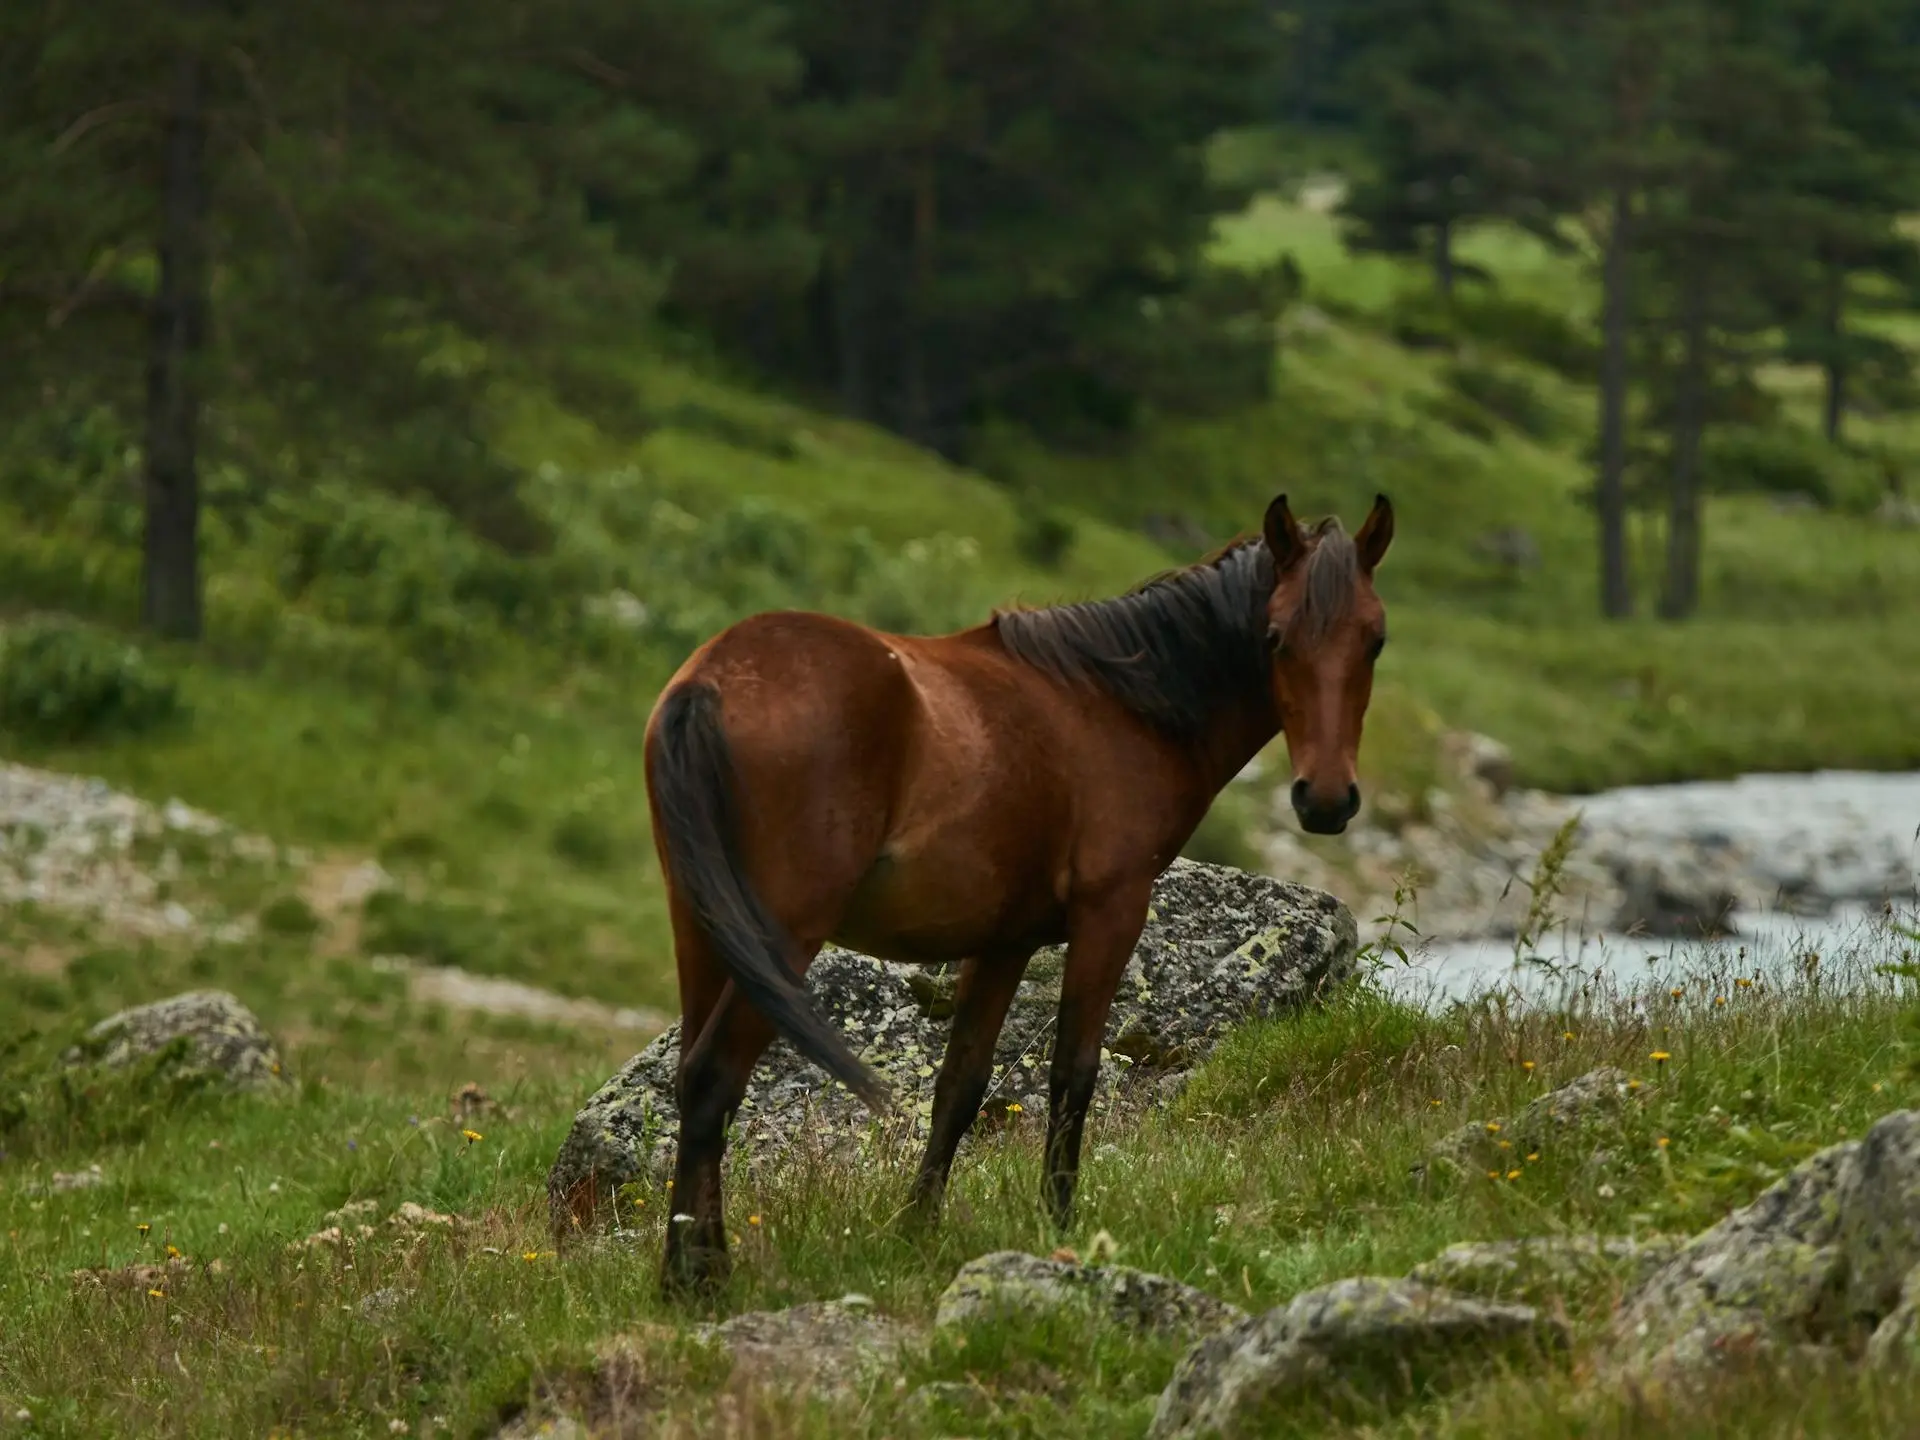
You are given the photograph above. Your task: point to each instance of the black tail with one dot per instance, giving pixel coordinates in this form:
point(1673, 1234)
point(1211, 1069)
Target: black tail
point(691, 776)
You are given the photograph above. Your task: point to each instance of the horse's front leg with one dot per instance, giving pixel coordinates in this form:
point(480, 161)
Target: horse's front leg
point(986, 989)
point(1101, 933)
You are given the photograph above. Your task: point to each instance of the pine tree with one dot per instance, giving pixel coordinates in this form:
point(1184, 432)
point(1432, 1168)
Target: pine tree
point(1862, 177)
point(296, 211)
point(1455, 95)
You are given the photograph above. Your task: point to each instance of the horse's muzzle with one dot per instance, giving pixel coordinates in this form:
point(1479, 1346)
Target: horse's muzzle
point(1317, 817)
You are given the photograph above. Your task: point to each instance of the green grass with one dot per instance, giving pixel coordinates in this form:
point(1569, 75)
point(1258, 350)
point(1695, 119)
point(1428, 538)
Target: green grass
point(1285, 1164)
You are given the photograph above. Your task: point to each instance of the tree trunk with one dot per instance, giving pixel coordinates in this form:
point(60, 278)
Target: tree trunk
point(178, 333)
point(1834, 322)
point(1610, 492)
point(925, 224)
point(1443, 257)
point(1681, 594)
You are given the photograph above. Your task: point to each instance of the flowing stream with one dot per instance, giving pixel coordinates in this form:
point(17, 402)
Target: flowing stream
point(1837, 852)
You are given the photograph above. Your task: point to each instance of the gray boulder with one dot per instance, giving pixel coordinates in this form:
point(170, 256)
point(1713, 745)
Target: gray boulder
point(223, 1040)
point(1353, 1347)
point(1816, 1265)
point(1547, 1267)
point(1896, 1341)
point(1221, 946)
point(1010, 1282)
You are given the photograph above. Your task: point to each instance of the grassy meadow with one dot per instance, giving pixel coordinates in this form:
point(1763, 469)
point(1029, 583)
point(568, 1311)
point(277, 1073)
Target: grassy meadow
point(1284, 1164)
point(379, 684)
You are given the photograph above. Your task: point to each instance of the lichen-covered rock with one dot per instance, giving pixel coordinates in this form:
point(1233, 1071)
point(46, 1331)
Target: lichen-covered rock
point(223, 1040)
point(1879, 1231)
point(823, 1347)
point(1896, 1340)
point(1353, 1346)
point(1818, 1260)
point(1594, 1097)
point(1548, 1266)
point(1220, 947)
point(1010, 1282)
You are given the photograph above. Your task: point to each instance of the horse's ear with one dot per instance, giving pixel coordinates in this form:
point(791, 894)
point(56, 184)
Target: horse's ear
point(1374, 537)
point(1283, 534)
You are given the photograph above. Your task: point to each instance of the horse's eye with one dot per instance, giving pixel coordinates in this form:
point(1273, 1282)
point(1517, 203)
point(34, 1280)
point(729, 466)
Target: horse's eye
point(1276, 642)
point(1373, 650)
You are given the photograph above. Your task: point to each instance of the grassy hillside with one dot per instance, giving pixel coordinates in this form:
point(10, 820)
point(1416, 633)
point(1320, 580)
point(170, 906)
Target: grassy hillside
point(377, 681)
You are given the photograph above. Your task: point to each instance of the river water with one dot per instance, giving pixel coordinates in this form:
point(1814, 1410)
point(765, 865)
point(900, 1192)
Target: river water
point(1838, 852)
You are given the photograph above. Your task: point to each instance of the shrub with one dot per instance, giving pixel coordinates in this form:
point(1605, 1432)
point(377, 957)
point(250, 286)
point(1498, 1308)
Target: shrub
point(291, 916)
point(1528, 331)
point(1506, 394)
point(1786, 460)
point(1045, 534)
point(63, 682)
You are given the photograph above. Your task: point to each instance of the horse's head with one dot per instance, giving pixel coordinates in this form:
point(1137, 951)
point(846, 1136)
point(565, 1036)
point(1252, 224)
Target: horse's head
point(1326, 627)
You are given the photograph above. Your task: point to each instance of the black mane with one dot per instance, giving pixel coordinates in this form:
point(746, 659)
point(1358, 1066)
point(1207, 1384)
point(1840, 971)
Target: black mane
point(1183, 646)
point(1175, 651)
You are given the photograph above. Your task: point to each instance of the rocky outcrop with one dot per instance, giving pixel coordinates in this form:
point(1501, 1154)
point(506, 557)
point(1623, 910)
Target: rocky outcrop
point(1353, 1347)
point(222, 1041)
point(72, 844)
point(1220, 947)
point(1547, 1267)
point(1820, 1263)
point(1012, 1283)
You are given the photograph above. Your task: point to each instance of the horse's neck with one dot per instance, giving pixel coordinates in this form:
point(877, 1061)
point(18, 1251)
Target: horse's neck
point(1224, 748)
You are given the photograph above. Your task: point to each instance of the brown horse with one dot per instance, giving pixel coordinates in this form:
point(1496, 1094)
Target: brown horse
point(973, 797)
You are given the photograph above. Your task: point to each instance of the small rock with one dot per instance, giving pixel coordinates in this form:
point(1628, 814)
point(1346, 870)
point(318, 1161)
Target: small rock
point(226, 1041)
point(823, 1345)
point(90, 1178)
point(1480, 758)
point(1546, 1267)
point(410, 1216)
point(380, 1306)
point(1349, 1346)
point(1593, 1096)
point(470, 1103)
point(1673, 896)
point(1010, 1282)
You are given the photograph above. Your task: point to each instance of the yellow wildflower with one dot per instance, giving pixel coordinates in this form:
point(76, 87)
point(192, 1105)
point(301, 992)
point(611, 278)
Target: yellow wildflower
point(1535, 1155)
point(1506, 1144)
point(1493, 1174)
point(1660, 1057)
point(1493, 1127)
point(144, 1228)
point(173, 1252)
point(1719, 999)
point(1513, 1174)
point(1016, 1108)
point(1662, 1142)
point(1744, 983)
point(1434, 1103)
point(1526, 1065)
point(753, 1219)
point(158, 1294)
point(473, 1136)
point(1566, 1035)
point(1677, 991)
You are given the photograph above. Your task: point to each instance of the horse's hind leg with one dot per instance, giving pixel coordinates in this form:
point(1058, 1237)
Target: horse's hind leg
point(1101, 937)
point(708, 1089)
point(986, 988)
